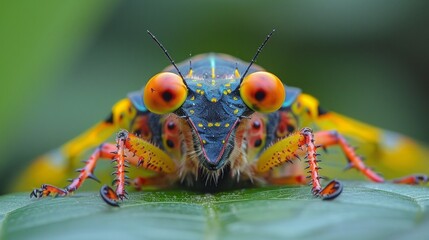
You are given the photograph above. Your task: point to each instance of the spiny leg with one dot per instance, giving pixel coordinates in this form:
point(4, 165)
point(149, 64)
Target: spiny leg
point(149, 157)
point(103, 151)
point(287, 149)
point(140, 153)
point(330, 138)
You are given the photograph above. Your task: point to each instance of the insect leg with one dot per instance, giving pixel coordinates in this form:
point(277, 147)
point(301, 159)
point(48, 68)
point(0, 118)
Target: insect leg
point(132, 149)
point(412, 179)
point(288, 149)
point(330, 138)
point(103, 151)
point(159, 181)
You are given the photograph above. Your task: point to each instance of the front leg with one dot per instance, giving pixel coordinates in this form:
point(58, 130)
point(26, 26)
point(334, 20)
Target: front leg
point(129, 149)
point(288, 149)
point(143, 154)
point(104, 151)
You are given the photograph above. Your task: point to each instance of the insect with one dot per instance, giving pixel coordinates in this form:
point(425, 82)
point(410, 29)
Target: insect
point(214, 122)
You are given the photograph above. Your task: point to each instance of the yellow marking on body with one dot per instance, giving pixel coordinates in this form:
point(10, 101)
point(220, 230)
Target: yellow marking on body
point(191, 111)
point(190, 73)
point(236, 111)
point(122, 118)
point(227, 85)
point(214, 100)
point(210, 124)
point(229, 90)
point(198, 91)
point(213, 73)
point(226, 125)
point(217, 124)
point(192, 98)
point(225, 92)
point(202, 92)
point(223, 141)
point(200, 125)
point(53, 167)
point(199, 85)
point(204, 141)
point(235, 98)
point(279, 153)
point(237, 73)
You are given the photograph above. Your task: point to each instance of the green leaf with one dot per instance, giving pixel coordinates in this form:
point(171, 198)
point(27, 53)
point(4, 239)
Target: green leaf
point(362, 211)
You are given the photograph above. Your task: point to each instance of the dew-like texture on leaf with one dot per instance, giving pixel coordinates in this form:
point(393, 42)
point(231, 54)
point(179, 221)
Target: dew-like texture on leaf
point(362, 211)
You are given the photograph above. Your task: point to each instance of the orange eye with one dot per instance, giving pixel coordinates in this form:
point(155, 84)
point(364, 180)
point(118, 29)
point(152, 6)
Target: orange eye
point(262, 92)
point(164, 93)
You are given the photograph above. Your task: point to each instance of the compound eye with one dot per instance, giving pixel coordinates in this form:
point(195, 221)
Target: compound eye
point(164, 93)
point(262, 92)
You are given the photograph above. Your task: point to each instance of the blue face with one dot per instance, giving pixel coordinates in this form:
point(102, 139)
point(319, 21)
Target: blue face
point(214, 106)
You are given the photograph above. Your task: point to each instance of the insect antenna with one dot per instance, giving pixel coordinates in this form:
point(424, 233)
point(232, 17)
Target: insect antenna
point(256, 55)
point(168, 56)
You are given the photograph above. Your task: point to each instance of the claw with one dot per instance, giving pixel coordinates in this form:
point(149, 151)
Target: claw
point(46, 190)
point(109, 196)
point(331, 191)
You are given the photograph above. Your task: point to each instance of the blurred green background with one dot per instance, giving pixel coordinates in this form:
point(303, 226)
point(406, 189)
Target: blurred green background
point(63, 64)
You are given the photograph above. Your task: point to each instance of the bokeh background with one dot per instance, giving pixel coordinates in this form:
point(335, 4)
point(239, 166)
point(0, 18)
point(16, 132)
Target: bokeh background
point(63, 64)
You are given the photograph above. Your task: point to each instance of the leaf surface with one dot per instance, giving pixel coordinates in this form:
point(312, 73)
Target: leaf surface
point(363, 211)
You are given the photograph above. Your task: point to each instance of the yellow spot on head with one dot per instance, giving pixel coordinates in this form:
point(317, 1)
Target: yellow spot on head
point(190, 73)
point(236, 111)
point(199, 85)
point(236, 73)
point(213, 73)
point(227, 85)
point(204, 141)
point(200, 125)
point(217, 124)
point(235, 98)
point(223, 141)
point(191, 111)
point(210, 124)
point(225, 92)
point(214, 100)
point(192, 98)
point(198, 90)
point(226, 124)
point(202, 92)
point(213, 82)
point(229, 90)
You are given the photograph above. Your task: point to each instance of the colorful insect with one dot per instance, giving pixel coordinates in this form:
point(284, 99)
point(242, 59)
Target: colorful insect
point(224, 123)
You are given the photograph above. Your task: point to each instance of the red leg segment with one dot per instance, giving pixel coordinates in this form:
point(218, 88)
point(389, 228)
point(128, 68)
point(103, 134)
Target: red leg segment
point(103, 151)
point(129, 149)
point(334, 188)
point(329, 138)
point(289, 148)
point(160, 181)
point(121, 179)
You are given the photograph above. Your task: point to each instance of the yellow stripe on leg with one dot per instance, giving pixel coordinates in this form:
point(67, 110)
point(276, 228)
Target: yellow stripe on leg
point(281, 152)
point(152, 157)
